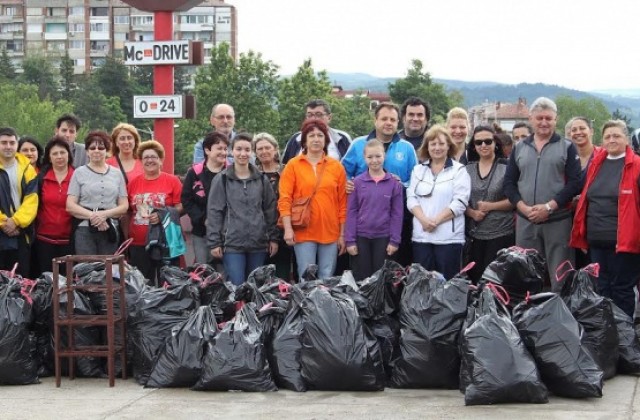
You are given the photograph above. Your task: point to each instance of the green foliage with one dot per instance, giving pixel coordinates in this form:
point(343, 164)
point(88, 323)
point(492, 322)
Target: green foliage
point(419, 83)
point(7, 69)
point(142, 77)
point(38, 71)
point(352, 115)
point(21, 108)
point(67, 78)
point(113, 80)
point(185, 136)
point(619, 115)
point(294, 93)
point(589, 107)
point(251, 87)
point(96, 110)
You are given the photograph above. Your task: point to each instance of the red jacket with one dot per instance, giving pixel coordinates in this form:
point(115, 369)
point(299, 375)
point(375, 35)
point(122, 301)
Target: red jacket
point(628, 205)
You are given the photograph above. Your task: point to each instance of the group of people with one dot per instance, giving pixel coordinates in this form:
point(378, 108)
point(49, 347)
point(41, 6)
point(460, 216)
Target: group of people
point(440, 196)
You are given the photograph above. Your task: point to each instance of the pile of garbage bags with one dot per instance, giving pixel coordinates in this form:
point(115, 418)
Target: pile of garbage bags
point(403, 327)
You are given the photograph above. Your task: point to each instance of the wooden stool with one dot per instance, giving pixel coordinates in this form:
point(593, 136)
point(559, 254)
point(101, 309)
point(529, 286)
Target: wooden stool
point(70, 320)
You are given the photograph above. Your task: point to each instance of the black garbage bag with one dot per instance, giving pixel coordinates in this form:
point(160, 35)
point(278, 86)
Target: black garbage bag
point(42, 327)
point(88, 367)
point(263, 275)
point(628, 343)
point(595, 315)
point(310, 273)
point(519, 271)
point(383, 289)
point(179, 362)
point(497, 366)
point(173, 276)
point(155, 314)
point(431, 317)
point(554, 338)
point(236, 358)
point(17, 346)
point(338, 351)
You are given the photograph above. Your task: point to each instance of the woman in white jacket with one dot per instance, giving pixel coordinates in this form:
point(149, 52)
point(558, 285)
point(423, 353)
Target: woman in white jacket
point(437, 196)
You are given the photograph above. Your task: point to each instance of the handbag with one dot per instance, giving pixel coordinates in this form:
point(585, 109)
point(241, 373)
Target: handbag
point(301, 209)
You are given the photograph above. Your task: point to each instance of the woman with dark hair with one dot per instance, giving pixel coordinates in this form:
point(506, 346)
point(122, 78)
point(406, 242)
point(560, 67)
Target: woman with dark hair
point(195, 193)
point(53, 223)
point(490, 221)
point(314, 174)
point(126, 139)
point(241, 214)
point(97, 197)
point(31, 148)
point(437, 197)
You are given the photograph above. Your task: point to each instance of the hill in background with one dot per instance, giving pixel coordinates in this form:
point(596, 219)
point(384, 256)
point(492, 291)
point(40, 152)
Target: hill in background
point(476, 93)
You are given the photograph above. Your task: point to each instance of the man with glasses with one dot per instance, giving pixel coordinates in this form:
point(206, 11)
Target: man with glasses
point(223, 120)
point(18, 204)
point(542, 177)
point(67, 126)
point(340, 140)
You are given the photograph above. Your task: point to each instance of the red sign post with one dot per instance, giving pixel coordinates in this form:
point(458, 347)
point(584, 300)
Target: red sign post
point(163, 74)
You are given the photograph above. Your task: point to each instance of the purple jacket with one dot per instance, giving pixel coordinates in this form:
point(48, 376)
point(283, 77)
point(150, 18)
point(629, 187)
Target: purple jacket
point(375, 210)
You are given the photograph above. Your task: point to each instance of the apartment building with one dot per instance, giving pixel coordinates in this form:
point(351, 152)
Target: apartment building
point(90, 30)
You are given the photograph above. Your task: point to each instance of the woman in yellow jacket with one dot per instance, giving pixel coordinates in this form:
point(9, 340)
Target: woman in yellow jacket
point(321, 241)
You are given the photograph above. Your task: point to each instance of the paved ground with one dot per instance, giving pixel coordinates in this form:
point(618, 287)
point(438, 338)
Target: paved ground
point(93, 399)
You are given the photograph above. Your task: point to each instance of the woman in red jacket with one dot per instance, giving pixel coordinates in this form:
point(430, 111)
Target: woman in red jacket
point(607, 218)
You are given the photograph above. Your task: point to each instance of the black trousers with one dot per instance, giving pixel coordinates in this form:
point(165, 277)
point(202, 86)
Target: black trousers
point(483, 252)
point(22, 256)
point(44, 253)
point(150, 269)
point(370, 258)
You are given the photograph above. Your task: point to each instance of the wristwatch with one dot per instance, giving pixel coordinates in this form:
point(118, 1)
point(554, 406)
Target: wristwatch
point(548, 207)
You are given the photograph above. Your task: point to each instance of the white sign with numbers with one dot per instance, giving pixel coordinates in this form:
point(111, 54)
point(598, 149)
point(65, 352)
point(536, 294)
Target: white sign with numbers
point(158, 106)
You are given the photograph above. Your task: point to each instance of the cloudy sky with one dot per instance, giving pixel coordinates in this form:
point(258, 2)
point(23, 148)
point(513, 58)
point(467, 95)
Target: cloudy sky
point(583, 45)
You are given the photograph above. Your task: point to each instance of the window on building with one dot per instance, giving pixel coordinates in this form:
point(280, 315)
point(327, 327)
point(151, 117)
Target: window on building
point(55, 46)
point(99, 11)
point(15, 45)
point(56, 11)
point(34, 28)
point(97, 62)
point(102, 46)
point(120, 36)
point(99, 27)
point(56, 28)
point(10, 27)
point(121, 20)
point(76, 11)
point(142, 20)
point(188, 35)
point(34, 11)
point(10, 10)
point(76, 27)
point(79, 62)
point(76, 44)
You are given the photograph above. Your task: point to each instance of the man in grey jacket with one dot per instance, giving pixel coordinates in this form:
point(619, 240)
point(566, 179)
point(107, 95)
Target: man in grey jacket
point(543, 176)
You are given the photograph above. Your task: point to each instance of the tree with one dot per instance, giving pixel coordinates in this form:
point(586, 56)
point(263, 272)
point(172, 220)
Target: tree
point(96, 110)
point(22, 108)
point(7, 69)
point(113, 80)
point(67, 83)
point(38, 71)
point(250, 86)
point(353, 115)
point(293, 94)
point(618, 115)
point(419, 83)
point(590, 107)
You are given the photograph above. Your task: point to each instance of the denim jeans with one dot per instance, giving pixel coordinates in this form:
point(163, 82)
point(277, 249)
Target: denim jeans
point(238, 265)
point(324, 255)
point(444, 259)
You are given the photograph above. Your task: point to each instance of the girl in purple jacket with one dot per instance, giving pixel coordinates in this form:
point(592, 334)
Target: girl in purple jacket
point(374, 214)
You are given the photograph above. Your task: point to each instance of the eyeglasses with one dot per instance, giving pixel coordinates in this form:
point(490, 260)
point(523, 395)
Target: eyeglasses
point(433, 186)
point(97, 148)
point(487, 142)
point(315, 114)
point(150, 157)
point(224, 117)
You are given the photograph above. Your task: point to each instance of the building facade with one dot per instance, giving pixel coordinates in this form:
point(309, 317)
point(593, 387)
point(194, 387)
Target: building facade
point(90, 30)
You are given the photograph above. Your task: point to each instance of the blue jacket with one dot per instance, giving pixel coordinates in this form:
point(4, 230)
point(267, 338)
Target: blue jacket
point(399, 159)
point(375, 210)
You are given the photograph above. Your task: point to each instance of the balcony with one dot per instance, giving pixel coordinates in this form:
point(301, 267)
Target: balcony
point(50, 36)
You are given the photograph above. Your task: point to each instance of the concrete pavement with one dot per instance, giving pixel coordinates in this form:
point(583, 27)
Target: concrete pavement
point(93, 399)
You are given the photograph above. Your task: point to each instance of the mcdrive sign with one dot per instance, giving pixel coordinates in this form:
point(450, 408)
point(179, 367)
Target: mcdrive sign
point(157, 52)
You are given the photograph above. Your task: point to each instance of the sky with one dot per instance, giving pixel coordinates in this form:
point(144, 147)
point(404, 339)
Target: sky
point(584, 45)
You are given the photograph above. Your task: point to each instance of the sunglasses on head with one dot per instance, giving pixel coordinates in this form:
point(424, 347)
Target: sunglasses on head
point(487, 142)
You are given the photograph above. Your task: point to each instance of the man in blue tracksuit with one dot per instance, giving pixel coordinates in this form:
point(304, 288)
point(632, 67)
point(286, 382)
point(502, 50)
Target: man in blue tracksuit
point(400, 156)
